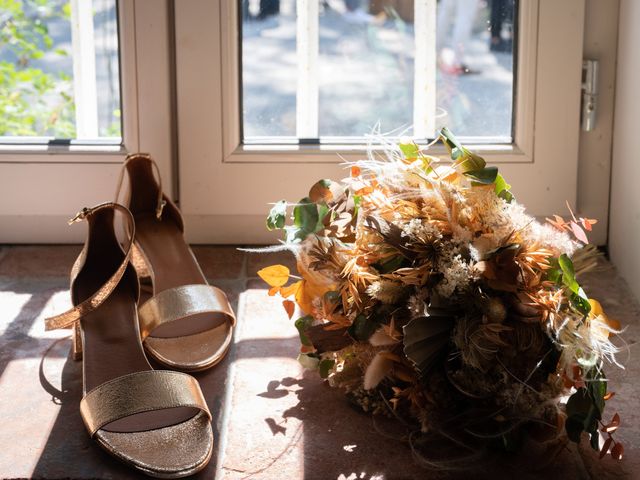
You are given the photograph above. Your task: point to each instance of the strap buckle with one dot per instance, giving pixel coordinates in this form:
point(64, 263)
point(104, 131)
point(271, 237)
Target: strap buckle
point(160, 207)
point(81, 215)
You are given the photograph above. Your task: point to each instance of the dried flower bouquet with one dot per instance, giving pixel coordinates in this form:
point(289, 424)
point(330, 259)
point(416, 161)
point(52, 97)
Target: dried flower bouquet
point(431, 296)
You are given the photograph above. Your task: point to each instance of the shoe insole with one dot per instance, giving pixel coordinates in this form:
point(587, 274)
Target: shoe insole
point(173, 265)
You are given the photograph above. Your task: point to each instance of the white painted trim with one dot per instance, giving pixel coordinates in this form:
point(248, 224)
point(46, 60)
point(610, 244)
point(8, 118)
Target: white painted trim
point(307, 49)
point(229, 61)
point(128, 74)
point(153, 70)
point(526, 88)
point(594, 160)
point(425, 64)
point(84, 69)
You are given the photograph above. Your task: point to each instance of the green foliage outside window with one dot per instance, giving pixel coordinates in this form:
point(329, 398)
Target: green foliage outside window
point(32, 102)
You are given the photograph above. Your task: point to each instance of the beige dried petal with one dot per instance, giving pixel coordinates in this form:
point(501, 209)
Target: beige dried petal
point(379, 367)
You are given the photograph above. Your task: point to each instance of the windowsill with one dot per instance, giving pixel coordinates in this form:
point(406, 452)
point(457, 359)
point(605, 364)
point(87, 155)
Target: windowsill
point(339, 153)
point(33, 153)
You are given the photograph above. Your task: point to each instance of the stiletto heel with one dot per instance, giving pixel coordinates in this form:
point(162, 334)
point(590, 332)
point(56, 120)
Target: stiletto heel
point(76, 338)
point(185, 323)
point(155, 421)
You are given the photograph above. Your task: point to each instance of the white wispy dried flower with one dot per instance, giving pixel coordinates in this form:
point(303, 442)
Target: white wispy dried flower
point(386, 291)
point(457, 275)
point(412, 229)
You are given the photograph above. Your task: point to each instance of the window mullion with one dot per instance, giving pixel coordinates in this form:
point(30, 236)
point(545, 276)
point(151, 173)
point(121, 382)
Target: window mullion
point(307, 40)
point(84, 69)
point(424, 87)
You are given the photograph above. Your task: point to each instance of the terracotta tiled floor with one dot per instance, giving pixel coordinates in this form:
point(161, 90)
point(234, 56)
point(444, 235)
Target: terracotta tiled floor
point(272, 420)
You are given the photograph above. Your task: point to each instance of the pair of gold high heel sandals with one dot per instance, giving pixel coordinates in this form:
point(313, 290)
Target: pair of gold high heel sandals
point(147, 298)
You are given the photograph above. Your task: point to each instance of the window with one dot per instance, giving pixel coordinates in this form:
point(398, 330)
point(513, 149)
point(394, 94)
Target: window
point(59, 65)
point(78, 107)
point(332, 71)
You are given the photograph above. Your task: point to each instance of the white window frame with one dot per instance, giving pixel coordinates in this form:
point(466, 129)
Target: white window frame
point(519, 151)
point(42, 185)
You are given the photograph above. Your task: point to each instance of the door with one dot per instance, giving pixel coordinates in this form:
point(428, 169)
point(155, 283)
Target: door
point(231, 168)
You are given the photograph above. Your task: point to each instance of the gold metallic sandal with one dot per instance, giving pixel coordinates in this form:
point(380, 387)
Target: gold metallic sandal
point(186, 324)
point(154, 421)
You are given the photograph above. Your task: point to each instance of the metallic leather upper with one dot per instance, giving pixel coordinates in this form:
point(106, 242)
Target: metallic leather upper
point(180, 302)
point(140, 392)
point(68, 318)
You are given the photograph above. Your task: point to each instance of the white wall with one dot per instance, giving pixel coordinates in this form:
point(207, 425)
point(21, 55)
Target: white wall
point(624, 227)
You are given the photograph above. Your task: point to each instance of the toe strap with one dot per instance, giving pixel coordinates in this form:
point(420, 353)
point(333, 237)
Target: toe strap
point(180, 302)
point(140, 392)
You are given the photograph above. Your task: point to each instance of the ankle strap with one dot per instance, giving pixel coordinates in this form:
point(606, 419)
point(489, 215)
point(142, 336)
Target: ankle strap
point(68, 318)
point(161, 202)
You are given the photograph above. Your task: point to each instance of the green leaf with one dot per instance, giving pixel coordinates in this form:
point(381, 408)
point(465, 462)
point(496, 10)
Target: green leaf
point(554, 274)
point(450, 141)
point(577, 297)
point(485, 176)
point(325, 367)
point(411, 151)
point(582, 414)
point(567, 265)
point(573, 427)
point(568, 273)
point(506, 195)
point(362, 328)
point(501, 184)
point(308, 361)
point(323, 211)
point(302, 324)
point(294, 234)
point(580, 302)
point(332, 296)
point(502, 189)
point(597, 388)
point(356, 204)
point(277, 216)
point(305, 215)
point(390, 265)
point(465, 160)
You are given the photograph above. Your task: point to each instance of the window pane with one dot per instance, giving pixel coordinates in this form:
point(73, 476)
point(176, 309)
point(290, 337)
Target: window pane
point(59, 82)
point(364, 69)
point(476, 66)
point(269, 67)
